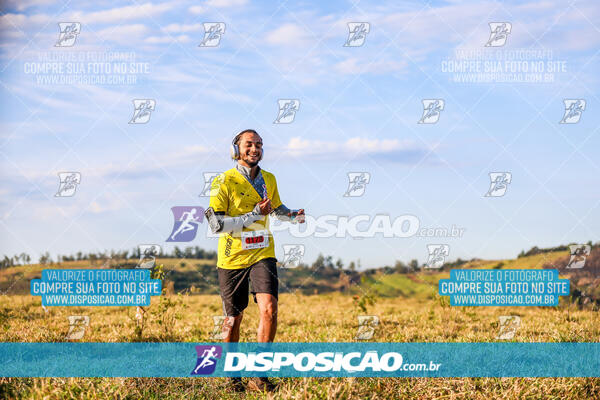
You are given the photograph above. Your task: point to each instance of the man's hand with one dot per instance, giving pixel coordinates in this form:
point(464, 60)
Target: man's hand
point(265, 207)
point(299, 218)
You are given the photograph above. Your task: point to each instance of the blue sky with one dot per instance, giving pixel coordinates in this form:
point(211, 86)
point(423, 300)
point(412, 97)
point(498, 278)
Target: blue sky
point(359, 108)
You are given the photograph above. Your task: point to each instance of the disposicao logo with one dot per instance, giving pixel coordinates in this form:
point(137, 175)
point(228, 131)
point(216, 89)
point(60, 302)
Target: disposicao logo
point(207, 359)
point(308, 361)
point(317, 363)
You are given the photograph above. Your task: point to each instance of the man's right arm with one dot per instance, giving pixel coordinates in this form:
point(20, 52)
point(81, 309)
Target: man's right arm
point(219, 222)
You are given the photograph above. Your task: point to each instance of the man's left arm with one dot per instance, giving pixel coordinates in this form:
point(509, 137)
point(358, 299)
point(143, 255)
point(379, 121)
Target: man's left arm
point(281, 212)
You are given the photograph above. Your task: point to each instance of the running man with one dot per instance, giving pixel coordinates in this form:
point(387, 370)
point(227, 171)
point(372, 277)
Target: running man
point(242, 198)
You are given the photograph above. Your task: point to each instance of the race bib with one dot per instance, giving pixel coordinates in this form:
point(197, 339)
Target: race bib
point(255, 239)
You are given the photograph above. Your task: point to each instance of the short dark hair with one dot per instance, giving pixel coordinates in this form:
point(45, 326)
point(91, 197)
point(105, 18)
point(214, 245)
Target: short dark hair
point(237, 137)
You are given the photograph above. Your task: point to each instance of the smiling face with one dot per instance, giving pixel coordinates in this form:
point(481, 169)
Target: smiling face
point(250, 149)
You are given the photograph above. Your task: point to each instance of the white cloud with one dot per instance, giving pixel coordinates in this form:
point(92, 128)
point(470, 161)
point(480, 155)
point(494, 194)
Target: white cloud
point(435, 26)
point(104, 203)
point(225, 3)
point(138, 11)
point(179, 28)
point(196, 10)
point(392, 149)
point(122, 33)
point(38, 94)
point(354, 66)
point(216, 92)
point(466, 25)
point(167, 39)
point(12, 35)
point(11, 21)
point(22, 5)
point(287, 34)
point(187, 156)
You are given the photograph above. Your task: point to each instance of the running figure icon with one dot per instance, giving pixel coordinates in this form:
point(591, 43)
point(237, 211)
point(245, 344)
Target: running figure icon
point(207, 359)
point(186, 221)
point(188, 218)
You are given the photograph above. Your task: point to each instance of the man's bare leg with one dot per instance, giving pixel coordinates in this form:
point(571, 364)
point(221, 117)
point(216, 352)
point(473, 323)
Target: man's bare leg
point(231, 333)
point(231, 328)
point(267, 306)
point(267, 326)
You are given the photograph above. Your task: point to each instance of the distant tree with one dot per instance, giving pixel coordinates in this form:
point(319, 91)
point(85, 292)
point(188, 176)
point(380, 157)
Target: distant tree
point(199, 253)
point(329, 262)
point(388, 270)
point(413, 265)
point(352, 266)
point(45, 258)
point(177, 252)
point(319, 262)
point(25, 259)
point(400, 267)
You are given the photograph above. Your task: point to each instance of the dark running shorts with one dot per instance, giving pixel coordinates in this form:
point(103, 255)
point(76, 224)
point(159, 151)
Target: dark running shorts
point(234, 284)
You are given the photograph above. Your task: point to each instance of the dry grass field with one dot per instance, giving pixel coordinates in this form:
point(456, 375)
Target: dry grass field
point(331, 317)
point(407, 305)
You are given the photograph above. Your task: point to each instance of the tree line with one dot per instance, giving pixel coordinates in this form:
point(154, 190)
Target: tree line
point(93, 258)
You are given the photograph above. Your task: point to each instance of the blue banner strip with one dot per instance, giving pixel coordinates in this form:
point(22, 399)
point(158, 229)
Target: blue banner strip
point(96, 287)
point(300, 359)
point(504, 287)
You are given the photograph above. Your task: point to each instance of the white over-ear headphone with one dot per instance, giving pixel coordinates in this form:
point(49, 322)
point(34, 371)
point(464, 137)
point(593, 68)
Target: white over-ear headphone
point(234, 151)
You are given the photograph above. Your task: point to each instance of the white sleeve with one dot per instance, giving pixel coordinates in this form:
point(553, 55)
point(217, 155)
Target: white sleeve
point(222, 223)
